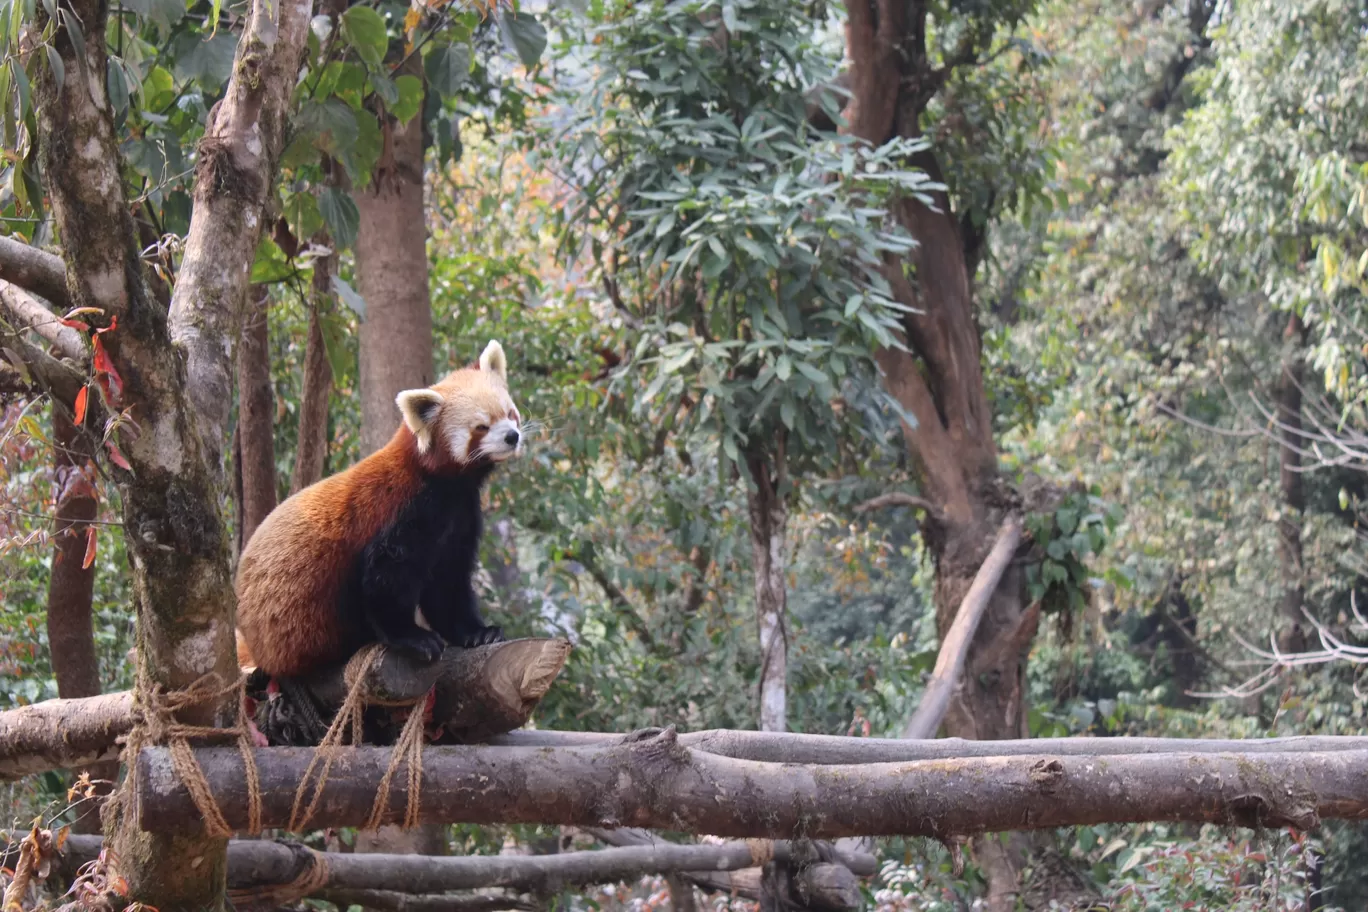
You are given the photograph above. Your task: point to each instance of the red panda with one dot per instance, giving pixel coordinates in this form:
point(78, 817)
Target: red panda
point(385, 550)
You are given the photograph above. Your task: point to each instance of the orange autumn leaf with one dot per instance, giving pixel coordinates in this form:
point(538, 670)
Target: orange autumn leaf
point(81, 404)
point(90, 548)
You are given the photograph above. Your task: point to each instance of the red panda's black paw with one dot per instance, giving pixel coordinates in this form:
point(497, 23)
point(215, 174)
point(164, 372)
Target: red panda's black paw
point(483, 637)
point(427, 645)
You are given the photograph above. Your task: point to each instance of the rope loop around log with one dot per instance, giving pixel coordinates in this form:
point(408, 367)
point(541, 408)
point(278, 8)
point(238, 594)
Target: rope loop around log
point(313, 876)
point(408, 748)
point(155, 722)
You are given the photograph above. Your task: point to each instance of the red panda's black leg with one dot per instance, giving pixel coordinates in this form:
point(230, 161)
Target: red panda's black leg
point(450, 606)
point(390, 587)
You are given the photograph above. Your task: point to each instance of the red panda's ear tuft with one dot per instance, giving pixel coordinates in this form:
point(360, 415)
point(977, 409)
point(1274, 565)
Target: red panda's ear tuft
point(493, 360)
point(419, 408)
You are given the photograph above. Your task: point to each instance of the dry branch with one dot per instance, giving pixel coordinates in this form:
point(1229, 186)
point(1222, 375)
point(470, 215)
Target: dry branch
point(950, 661)
point(27, 312)
point(34, 270)
point(254, 864)
point(657, 783)
point(788, 747)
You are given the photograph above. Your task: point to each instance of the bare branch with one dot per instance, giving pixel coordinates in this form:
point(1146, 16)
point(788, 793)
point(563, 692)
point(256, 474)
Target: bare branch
point(30, 313)
point(658, 783)
point(60, 734)
point(34, 270)
point(896, 499)
point(950, 661)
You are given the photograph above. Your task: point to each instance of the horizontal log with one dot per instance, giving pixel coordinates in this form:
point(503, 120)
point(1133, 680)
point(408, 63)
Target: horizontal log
point(257, 863)
point(393, 901)
point(657, 783)
point(62, 734)
point(790, 747)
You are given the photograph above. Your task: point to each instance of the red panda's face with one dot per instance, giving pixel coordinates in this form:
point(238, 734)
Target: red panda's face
point(469, 415)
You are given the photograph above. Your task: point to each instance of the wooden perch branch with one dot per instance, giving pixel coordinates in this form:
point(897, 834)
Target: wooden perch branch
point(657, 783)
point(254, 864)
point(28, 312)
point(950, 660)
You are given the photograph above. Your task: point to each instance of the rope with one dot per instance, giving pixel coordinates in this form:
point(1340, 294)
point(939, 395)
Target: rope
point(761, 851)
point(408, 748)
point(155, 722)
point(312, 877)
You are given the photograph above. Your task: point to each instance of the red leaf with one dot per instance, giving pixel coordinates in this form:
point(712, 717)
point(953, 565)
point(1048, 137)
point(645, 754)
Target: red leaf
point(74, 324)
point(117, 457)
point(81, 404)
point(108, 375)
point(113, 325)
point(90, 548)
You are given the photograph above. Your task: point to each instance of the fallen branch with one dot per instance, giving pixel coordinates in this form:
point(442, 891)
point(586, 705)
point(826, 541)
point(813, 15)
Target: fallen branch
point(260, 863)
point(34, 270)
point(950, 661)
point(657, 783)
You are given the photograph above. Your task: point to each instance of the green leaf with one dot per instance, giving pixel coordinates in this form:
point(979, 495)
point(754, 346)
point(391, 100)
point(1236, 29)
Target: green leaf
point(385, 88)
point(118, 85)
point(349, 296)
point(448, 68)
point(341, 215)
point(334, 331)
point(55, 62)
point(269, 264)
point(526, 35)
point(364, 29)
point(1067, 519)
point(410, 100)
point(302, 215)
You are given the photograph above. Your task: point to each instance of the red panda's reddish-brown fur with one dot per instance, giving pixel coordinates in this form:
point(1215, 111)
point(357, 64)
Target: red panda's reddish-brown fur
point(293, 571)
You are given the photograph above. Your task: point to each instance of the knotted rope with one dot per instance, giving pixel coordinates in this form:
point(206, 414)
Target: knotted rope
point(155, 722)
point(407, 748)
point(312, 877)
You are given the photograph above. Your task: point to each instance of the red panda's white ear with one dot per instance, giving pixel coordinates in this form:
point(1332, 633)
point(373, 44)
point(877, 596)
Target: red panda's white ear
point(419, 408)
point(493, 360)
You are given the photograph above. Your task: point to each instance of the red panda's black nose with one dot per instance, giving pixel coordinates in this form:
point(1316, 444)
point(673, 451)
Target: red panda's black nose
point(511, 438)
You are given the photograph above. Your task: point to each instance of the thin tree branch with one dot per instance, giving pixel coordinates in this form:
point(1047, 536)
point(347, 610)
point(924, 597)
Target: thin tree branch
point(950, 661)
point(30, 313)
point(896, 499)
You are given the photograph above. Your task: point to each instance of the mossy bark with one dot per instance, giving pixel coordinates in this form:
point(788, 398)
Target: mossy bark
point(174, 531)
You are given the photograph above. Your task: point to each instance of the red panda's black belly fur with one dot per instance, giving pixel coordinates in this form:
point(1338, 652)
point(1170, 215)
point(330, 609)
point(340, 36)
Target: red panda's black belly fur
point(424, 558)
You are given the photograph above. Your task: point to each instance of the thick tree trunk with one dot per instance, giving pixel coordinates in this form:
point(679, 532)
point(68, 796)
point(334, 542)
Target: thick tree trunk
point(180, 400)
point(940, 383)
point(765, 498)
point(392, 270)
point(311, 453)
point(1288, 394)
point(256, 418)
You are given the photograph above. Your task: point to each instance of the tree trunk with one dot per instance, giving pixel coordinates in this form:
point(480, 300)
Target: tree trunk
point(392, 270)
point(256, 418)
point(940, 383)
point(311, 452)
point(1288, 395)
point(174, 372)
point(396, 340)
point(765, 498)
point(71, 585)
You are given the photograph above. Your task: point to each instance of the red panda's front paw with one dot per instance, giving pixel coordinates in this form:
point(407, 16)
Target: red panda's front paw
point(426, 644)
point(483, 637)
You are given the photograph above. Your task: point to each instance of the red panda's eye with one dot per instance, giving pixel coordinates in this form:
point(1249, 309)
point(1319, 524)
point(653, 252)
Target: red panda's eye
point(481, 427)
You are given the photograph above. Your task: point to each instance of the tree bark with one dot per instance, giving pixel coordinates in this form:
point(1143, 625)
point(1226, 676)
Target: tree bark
point(392, 270)
point(34, 270)
point(768, 509)
point(180, 401)
point(656, 783)
point(26, 311)
point(940, 383)
point(1288, 396)
point(311, 452)
point(256, 418)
